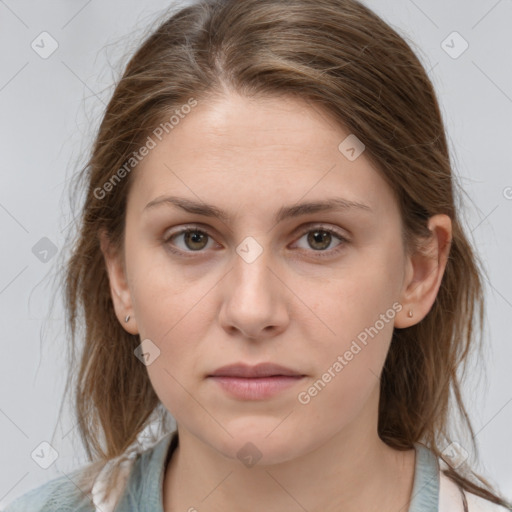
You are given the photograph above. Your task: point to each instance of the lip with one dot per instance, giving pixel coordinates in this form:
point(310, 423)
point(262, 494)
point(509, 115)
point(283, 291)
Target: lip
point(259, 370)
point(255, 382)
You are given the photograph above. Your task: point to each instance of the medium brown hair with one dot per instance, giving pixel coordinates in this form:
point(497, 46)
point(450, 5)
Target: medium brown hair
point(347, 62)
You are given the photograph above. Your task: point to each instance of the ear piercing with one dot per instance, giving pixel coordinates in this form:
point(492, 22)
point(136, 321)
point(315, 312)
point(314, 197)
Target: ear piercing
point(410, 315)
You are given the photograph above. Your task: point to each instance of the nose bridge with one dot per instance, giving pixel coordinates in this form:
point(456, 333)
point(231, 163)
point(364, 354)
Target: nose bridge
point(251, 266)
point(252, 299)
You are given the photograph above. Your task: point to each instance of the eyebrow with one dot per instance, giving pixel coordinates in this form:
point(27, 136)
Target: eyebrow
point(285, 212)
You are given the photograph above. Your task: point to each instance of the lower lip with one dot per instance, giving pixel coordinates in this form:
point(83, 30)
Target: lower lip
point(256, 388)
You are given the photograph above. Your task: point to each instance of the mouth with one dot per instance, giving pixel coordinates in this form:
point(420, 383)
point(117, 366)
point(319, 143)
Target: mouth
point(255, 382)
point(241, 370)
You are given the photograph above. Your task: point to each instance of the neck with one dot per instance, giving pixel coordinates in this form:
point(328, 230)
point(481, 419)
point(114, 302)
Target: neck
point(352, 471)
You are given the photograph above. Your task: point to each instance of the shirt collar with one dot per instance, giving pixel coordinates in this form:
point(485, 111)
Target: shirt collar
point(145, 488)
point(425, 491)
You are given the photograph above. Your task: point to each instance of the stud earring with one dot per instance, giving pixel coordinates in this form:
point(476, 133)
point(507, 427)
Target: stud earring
point(410, 314)
point(127, 318)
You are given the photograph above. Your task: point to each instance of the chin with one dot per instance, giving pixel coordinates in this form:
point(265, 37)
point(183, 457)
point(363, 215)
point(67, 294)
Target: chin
point(252, 445)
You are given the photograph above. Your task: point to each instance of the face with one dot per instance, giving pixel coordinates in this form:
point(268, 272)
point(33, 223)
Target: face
point(317, 292)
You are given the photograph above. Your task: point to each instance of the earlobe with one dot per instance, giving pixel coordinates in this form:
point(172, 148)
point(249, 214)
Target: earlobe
point(119, 290)
point(425, 270)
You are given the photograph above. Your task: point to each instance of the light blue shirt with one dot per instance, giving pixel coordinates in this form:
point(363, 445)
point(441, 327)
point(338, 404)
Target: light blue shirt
point(143, 492)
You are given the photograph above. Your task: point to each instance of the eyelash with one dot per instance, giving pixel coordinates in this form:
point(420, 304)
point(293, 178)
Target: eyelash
point(319, 253)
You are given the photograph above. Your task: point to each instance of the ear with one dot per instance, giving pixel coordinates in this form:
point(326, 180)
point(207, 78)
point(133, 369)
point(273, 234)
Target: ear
point(424, 272)
point(119, 290)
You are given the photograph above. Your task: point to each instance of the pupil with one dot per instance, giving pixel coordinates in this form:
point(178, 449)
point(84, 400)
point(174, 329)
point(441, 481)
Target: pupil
point(317, 236)
point(195, 237)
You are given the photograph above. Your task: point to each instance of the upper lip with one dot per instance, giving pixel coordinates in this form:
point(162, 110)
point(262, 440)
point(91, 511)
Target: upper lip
point(260, 370)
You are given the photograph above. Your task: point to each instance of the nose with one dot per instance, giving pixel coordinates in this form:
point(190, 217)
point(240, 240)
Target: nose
point(254, 299)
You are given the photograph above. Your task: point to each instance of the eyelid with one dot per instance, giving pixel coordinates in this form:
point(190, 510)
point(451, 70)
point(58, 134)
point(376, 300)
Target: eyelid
point(310, 226)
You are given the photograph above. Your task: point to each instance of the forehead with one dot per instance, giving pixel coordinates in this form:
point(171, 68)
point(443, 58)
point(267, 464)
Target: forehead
point(248, 151)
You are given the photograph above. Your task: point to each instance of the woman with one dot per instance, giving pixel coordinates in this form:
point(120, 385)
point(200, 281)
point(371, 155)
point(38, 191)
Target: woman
point(270, 252)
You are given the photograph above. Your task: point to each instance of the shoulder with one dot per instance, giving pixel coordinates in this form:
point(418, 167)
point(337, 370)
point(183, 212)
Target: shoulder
point(138, 468)
point(58, 495)
point(450, 499)
point(479, 504)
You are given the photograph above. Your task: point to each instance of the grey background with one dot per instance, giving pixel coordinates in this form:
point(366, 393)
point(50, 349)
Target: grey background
point(49, 111)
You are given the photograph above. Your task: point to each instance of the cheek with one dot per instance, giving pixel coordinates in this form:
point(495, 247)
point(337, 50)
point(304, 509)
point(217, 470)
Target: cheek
point(167, 310)
point(163, 293)
point(335, 400)
point(349, 362)
point(173, 321)
point(355, 301)
point(355, 313)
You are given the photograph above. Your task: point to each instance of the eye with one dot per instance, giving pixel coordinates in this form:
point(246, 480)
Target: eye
point(319, 238)
point(195, 240)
